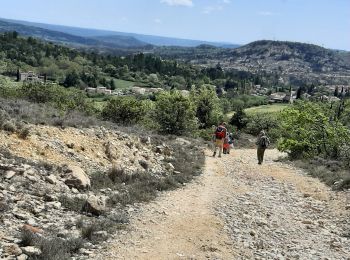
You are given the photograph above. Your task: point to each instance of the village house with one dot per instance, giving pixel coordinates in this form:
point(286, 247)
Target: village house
point(30, 76)
point(143, 91)
point(99, 90)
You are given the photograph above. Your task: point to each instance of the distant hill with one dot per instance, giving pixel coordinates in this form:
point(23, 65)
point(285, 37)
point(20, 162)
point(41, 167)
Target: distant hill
point(66, 38)
point(292, 62)
point(110, 36)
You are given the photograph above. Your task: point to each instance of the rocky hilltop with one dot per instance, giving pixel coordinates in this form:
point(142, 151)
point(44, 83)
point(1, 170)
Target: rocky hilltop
point(63, 191)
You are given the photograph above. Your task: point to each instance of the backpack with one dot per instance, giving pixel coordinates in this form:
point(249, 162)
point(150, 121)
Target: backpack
point(264, 143)
point(220, 132)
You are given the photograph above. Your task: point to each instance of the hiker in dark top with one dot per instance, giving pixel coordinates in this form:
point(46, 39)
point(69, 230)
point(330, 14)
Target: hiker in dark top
point(262, 143)
point(219, 136)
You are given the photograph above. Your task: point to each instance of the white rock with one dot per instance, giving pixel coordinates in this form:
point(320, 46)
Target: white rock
point(51, 179)
point(77, 178)
point(31, 250)
point(9, 174)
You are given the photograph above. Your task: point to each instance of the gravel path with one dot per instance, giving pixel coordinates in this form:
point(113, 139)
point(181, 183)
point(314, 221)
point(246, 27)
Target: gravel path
point(239, 210)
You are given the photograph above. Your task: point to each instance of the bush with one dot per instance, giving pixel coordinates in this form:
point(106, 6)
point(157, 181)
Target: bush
point(308, 130)
point(174, 113)
point(124, 110)
point(60, 97)
point(24, 133)
point(239, 119)
point(9, 126)
point(208, 110)
point(263, 121)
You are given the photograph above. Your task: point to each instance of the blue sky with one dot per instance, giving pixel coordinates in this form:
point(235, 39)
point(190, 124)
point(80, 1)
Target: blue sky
point(322, 22)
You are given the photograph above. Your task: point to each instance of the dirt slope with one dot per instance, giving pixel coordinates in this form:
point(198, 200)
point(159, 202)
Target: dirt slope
point(240, 210)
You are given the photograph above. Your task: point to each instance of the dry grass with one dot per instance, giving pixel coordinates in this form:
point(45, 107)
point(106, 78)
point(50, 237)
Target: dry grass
point(330, 172)
point(52, 247)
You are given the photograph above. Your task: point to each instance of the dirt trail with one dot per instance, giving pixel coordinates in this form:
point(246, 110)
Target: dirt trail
point(239, 210)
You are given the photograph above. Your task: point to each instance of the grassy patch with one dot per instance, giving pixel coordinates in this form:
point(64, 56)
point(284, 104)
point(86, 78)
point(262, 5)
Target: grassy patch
point(124, 84)
point(274, 108)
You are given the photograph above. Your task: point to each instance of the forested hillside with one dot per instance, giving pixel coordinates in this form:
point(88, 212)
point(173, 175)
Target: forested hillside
point(296, 63)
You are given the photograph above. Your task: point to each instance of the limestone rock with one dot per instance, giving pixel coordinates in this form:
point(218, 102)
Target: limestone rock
point(95, 205)
point(9, 174)
point(31, 250)
point(77, 178)
point(51, 179)
point(22, 257)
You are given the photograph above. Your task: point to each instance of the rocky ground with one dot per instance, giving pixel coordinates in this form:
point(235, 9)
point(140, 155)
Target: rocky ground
point(277, 212)
point(240, 210)
point(48, 194)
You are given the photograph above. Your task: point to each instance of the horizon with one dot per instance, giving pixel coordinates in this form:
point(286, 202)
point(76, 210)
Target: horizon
point(323, 23)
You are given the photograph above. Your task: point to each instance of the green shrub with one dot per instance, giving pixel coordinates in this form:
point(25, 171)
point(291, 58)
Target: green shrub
point(308, 130)
point(263, 121)
point(174, 113)
point(124, 110)
point(60, 97)
point(239, 119)
point(208, 110)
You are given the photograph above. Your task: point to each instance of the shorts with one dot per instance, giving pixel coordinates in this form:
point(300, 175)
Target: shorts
point(219, 142)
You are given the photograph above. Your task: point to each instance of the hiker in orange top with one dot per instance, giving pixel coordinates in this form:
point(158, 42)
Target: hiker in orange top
point(219, 137)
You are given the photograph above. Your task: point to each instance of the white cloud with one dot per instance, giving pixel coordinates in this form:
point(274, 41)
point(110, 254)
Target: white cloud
point(158, 21)
point(178, 2)
point(226, 1)
point(210, 9)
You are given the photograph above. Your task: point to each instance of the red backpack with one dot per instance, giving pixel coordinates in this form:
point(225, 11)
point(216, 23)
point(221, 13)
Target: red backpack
point(220, 132)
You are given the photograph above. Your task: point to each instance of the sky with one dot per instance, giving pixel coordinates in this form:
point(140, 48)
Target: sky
point(322, 22)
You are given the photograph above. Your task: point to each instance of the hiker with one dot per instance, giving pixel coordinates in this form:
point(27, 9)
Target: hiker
point(262, 142)
point(228, 143)
point(219, 136)
point(226, 146)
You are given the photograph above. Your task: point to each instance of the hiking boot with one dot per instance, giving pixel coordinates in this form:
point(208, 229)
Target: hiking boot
point(219, 156)
point(214, 154)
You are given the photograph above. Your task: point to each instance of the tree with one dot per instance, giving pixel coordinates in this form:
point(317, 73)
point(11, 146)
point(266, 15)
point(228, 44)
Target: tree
point(112, 84)
point(298, 96)
point(336, 91)
point(18, 75)
point(72, 79)
point(207, 106)
point(307, 131)
point(239, 119)
point(124, 110)
point(174, 113)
